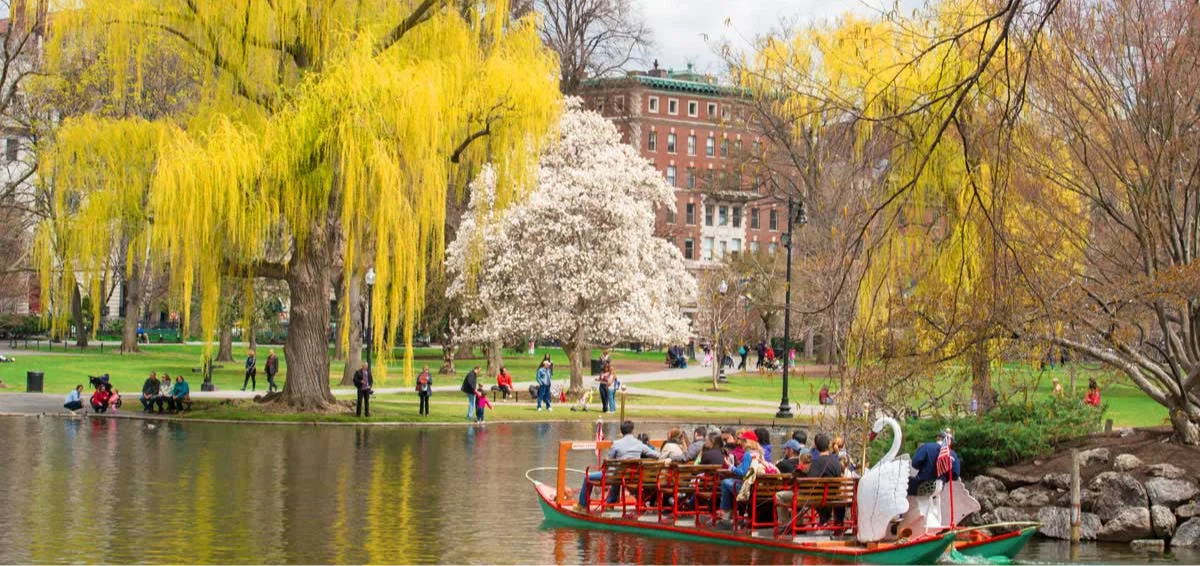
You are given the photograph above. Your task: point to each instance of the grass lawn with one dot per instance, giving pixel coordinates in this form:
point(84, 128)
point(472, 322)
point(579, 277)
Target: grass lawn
point(66, 368)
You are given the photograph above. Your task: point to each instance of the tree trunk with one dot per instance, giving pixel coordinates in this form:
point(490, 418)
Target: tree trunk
point(133, 310)
point(576, 353)
point(307, 348)
point(495, 356)
point(253, 331)
point(354, 348)
point(225, 350)
point(447, 359)
point(981, 377)
point(81, 333)
point(341, 297)
point(808, 344)
point(1186, 431)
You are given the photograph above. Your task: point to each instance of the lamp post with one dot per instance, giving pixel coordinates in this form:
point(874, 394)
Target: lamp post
point(718, 355)
point(799, 218)
point(370, 313)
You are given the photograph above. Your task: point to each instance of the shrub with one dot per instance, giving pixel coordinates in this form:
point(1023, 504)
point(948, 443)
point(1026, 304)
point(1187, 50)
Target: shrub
point(1010, 433)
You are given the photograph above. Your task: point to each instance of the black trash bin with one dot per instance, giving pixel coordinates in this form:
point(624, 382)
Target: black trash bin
point(597, 367)
point(33, 381)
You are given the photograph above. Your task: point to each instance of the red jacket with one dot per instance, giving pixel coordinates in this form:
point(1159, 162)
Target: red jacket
point(100, 397)
point(504, 380)
point(1092, 398)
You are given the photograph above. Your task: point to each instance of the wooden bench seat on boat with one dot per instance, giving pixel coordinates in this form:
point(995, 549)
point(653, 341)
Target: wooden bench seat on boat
point(694, 481)
point(812, 494)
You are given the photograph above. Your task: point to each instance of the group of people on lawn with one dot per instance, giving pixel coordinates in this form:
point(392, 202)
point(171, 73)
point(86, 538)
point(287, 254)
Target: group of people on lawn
point(164, 394)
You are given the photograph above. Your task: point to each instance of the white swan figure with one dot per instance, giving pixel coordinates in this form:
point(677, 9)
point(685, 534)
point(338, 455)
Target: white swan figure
point(883, 489)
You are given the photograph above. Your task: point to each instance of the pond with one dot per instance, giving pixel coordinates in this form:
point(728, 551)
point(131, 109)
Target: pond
point(124, 491)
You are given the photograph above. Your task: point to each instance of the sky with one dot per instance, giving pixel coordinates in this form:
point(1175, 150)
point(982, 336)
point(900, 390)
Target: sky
point(680, 25)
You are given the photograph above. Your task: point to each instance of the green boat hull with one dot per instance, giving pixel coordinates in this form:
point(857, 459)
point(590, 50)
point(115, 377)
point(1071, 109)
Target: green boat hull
point(1007, 547)
point(924, 552)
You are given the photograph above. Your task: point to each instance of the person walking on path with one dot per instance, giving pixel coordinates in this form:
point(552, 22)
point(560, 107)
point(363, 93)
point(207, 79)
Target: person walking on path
point(543, 384)
point(606, 380)
point(469, 385)
point(74, 399)
point(363, 383)
point(272, 371)
point(251, 372)
point(743, 352)
point(149, 392)
point(424, 389)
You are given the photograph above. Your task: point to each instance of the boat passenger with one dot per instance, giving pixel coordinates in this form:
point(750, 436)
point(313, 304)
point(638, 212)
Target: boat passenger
point(673, 446)
point(730, 486)
point(791, 458)
point(764, 440)
point(694, 448)
point(924, 460)
point(714, 451)
point(628, 447)
point(827, 465)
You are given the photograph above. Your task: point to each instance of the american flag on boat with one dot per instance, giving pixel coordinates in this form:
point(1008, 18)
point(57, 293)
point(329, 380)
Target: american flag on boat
point(945, 462)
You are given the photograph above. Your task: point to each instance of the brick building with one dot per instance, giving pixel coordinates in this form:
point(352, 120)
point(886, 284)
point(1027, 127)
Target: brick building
point(696, 133)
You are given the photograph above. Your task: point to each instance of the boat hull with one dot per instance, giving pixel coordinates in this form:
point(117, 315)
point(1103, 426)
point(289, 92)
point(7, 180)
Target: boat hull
point(1007, 545)
point(923, 551)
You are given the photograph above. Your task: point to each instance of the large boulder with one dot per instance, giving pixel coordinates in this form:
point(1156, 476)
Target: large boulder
point(1126, 463)
point(1129, 524)
point(1169, 471)
point(1010, 515)
point(1057, 481)
point(1012, 480)
point(1163, 521)
point(1056, 523)
point(1029, 496)
point(1187, 511)
point(1087, 500)
point(1170, 493)
point(1187, 535)
point(990, 492)
point(1116, 491)
point(1094, 457)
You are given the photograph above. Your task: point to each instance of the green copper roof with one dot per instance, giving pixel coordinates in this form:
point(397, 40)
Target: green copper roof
point(667, 83)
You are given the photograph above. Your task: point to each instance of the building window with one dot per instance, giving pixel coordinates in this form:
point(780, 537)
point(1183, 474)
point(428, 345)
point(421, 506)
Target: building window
point(735, 246)
point(598, 104)
point(712, 109)
point(710, 146)
point(693, 108)
point(724, 147)
point(706, 248)
point(722, 248)
point(654, 104)
point(670, 143)
point(723, 216)
point(12, 149)
point(618, 104)
point(691, 178)
point(670, 215)
point(652, 141)
point(724, 111)
point(690, 216)
point(692, 144)
point(753, 247)
point(773, 220)
point(689, 249)
point(771, 248)
point(754, 219)
point(671, 175)
point(737, 217)
point(672, 106)
point(708, 214)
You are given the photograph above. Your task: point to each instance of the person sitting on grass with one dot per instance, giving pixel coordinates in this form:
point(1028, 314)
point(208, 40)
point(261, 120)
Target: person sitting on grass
point(74, 399)
point(164, 393)
point(1092, 398)
point(825, 397)
point(100, 399)
point(149, 392)
point(628, 447)
point(179, 394)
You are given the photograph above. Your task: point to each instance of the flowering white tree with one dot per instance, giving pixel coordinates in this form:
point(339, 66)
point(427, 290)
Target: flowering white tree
point(577, 261)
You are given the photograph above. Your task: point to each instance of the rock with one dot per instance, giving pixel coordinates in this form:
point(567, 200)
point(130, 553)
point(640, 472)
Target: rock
point(1012, 480)
point(1010, 515)
point(1169, 471)
point(1188, 511)
point(1029, 496)
point(1129, 524)
point(1087, 500)
point(1170, 493)
point(1094, 456)
point(1116, 491)
point(1126, 463)
point(1163, 521)
point(1056, 523)
point(1187, 535)
point(1149, 545)
point(1057, 481)
point(990, 492)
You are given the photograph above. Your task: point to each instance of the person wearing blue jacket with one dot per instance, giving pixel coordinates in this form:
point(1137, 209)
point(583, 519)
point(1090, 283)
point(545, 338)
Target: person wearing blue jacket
point(730, 486)
point(178, 394)
point(543, 385)
point(924, 460)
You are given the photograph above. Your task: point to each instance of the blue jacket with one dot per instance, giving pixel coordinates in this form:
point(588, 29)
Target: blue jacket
point(180, 390)
point(543, 376)
point(741, 469)
point(924, 460)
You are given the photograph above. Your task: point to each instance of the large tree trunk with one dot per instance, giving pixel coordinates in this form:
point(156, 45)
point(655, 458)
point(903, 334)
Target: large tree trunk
point(981, 376)
point(133, 309)
point(81, 333)
point(495, 356)
point(340, 297)
point(225, 350)
point(307, 348)
point(354, 348)
point(253, 331)
point(1186, 431)
point(576, 353)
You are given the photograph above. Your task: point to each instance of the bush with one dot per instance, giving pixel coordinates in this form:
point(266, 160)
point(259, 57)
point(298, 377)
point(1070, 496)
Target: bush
point(1009, 434)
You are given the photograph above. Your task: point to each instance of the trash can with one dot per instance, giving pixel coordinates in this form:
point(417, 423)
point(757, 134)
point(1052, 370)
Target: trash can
point(33, 381)
point(597, 367)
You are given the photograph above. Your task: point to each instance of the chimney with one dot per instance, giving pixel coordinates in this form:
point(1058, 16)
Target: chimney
point(657, 72)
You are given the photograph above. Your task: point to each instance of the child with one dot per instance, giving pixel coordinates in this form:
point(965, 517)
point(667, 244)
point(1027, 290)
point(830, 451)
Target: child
point(114, 399)
point(481, 401)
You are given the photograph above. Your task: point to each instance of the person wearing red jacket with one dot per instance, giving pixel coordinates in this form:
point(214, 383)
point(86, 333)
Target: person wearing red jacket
point(504, 382)
point(100, 399)
point(1093, 394)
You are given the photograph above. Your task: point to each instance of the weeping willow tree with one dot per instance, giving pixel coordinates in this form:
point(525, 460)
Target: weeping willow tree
point(327, 128)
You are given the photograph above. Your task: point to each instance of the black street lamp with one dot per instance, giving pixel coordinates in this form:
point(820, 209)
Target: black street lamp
point(794, 217)
point(370, 313)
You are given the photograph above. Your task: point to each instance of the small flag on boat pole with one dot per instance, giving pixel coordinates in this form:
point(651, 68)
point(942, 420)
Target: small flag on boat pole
point(945, 462)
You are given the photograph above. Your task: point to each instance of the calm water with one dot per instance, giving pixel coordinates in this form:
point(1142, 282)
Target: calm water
point(125, 492)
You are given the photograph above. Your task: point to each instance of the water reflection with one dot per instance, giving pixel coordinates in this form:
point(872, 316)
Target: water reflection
point(97, 490)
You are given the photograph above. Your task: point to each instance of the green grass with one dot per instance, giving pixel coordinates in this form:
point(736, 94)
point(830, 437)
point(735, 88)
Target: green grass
point(65, 368)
